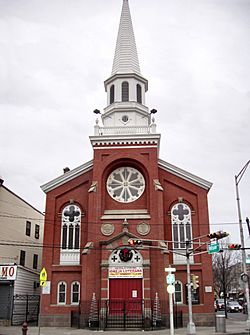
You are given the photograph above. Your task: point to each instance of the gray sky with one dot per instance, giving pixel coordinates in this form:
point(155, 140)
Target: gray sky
point(55, 55)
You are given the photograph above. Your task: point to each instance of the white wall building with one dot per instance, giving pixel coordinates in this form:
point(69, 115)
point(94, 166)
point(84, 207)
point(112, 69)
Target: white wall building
point(21, 239)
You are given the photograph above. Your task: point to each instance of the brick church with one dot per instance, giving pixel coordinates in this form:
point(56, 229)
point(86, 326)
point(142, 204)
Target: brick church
point(126, 191)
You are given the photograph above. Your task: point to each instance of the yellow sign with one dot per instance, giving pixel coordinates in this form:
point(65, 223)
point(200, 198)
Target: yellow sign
point(42, 282)
point(123, 272)
point(43, 276)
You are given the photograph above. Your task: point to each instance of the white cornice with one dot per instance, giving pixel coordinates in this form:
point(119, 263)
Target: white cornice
point(185, 175)
point(67, 176)
point(89, 165)
point(130, 138)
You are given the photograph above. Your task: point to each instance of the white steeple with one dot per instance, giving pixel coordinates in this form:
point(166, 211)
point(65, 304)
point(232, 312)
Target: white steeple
point(126, 58)
point(126, 114)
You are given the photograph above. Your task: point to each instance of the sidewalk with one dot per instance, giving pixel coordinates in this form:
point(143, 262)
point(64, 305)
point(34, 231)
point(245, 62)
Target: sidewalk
point(232, 327)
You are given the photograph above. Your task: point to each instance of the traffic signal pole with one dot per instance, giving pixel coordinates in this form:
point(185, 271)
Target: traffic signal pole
point(190, 326)
point(244, 266)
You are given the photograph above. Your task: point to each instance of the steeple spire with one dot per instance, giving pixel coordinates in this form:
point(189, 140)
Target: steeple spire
point(126, 117)
point(126, 58)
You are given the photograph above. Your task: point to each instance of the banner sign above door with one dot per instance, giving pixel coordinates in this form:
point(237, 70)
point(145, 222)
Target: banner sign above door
point(125, 272)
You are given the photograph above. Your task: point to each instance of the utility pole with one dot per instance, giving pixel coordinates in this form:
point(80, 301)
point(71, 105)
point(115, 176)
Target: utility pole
point(191, 326)
point(244, 266)
point(171, 289)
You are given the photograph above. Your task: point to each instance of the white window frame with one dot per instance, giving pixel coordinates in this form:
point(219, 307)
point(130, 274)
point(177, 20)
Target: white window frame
point(58, 293)
point(72, 292)
point(176, 222)
point(70, 247)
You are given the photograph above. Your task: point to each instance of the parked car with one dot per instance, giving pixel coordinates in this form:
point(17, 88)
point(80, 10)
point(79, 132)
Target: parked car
point(234, 306)
point(220, 304)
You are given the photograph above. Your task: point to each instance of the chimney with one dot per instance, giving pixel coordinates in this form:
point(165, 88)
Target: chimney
point(66, 169)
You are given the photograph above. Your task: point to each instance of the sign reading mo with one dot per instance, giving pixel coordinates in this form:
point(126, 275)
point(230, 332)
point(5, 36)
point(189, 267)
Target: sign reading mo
point(8, 272)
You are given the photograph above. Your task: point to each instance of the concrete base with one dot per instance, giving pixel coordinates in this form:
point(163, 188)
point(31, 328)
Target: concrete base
point(61, 320)
point(200, 320)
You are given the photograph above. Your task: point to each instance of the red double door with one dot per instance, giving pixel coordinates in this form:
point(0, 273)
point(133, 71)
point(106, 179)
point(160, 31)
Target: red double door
point(125, 296)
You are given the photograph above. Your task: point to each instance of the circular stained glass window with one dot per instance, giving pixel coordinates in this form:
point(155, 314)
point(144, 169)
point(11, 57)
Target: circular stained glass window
point(125, 184)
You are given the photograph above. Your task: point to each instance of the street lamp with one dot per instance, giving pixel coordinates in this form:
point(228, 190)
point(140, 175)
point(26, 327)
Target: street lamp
point(244, 266)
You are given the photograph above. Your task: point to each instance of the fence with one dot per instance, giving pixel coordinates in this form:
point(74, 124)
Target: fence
point(124, 314)
point(25, 308)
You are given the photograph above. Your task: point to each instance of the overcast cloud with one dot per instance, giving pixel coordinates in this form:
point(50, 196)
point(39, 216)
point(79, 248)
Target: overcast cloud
point(55, 55)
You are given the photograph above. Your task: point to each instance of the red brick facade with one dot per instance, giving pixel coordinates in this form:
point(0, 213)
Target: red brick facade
point(92, 272)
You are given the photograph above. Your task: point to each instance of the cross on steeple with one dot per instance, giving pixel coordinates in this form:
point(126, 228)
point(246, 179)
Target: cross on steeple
point(71, 213)
point(180, 212)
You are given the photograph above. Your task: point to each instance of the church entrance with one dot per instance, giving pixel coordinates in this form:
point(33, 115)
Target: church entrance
point(125, 303)
point(125, 296)
point(125, 299)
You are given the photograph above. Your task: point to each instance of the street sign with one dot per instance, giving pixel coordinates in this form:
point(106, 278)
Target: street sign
point(170, 289)
point(169, 269)
point(247, 258)
point(43, 277)
point(214, 247)
point(170, 278)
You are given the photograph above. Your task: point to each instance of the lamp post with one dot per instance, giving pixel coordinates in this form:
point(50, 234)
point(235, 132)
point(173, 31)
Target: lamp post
point(244, 266)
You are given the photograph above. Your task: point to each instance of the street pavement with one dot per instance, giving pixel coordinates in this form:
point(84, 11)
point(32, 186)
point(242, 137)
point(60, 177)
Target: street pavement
point(233, 326)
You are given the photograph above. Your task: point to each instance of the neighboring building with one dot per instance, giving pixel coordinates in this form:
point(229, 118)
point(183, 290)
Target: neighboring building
point(126, 191)
point(21, 231)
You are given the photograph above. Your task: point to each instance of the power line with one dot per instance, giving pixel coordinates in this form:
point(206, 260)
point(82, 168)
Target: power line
point(12, 216)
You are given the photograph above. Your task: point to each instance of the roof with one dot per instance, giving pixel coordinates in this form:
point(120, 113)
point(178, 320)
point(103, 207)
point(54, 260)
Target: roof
point(184, 175)
point(80, 170)
point(17, 196)
point(71, 174)
point(126, 58)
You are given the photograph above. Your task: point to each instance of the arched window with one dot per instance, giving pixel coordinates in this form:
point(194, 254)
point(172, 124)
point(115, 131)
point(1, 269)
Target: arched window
point(70, 235)
point(61, 293)
point(75, 293)
point(138, 93)
point(178, 294)
point(112, 94)
point(125, 91)
point(71, 220)
point(181, 225)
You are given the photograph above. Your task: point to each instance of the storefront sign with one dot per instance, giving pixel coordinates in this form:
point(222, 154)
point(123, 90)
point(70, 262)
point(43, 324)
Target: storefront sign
point(122, 272)
point(8, 272)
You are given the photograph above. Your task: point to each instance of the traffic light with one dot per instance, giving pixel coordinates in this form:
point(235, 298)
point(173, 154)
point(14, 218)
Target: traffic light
point(248, 225)
point(134, 242)
point(234, 246)
point(218, 235)
point(195, 281)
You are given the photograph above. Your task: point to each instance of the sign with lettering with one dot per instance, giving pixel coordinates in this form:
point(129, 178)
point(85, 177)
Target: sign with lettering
point(213, 247)
point(8, 272)
point(123, 272)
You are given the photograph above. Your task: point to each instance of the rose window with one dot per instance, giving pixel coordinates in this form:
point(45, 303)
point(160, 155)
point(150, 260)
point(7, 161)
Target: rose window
point(125, 184)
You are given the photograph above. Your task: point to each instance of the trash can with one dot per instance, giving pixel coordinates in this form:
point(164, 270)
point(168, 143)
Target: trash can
point(220, 324)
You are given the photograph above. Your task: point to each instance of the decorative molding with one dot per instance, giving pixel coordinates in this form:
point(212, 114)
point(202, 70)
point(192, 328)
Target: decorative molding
point(126, 214)
point(125, 140)
point(157, 185)
point(93, 187)
point(107, 229)
point(143, 228)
